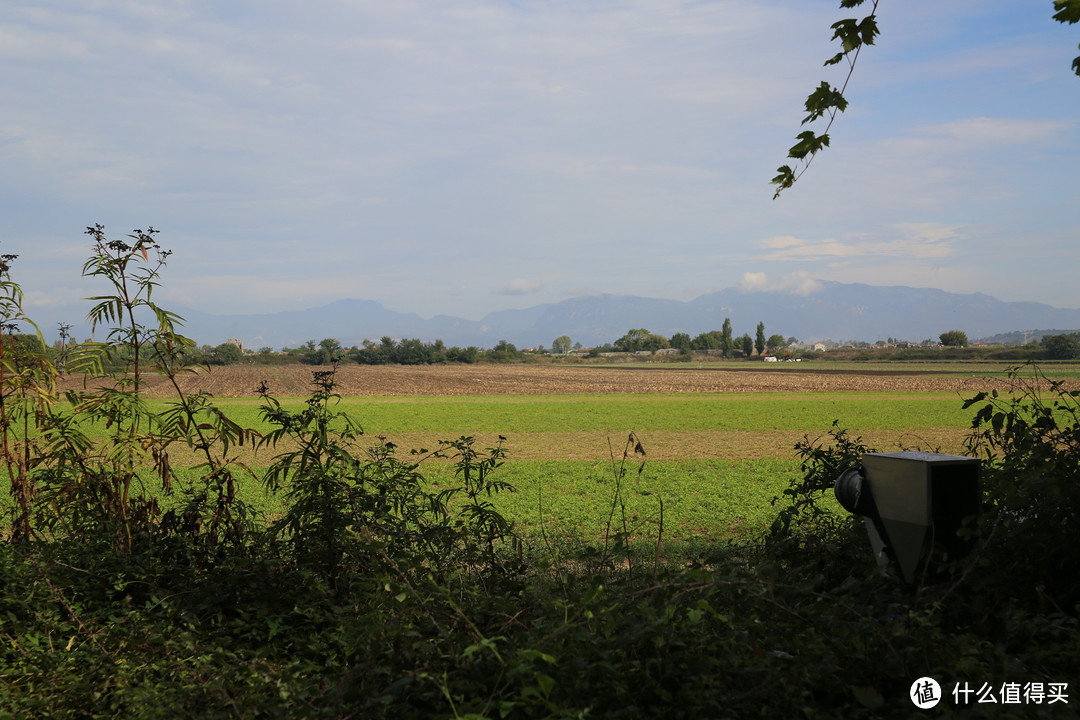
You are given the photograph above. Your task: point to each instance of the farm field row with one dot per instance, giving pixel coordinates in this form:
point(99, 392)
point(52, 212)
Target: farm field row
point(731, 426)
point(284, 381)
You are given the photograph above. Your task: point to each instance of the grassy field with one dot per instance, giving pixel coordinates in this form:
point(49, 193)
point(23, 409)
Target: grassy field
point(714, 462)
point(713, 459)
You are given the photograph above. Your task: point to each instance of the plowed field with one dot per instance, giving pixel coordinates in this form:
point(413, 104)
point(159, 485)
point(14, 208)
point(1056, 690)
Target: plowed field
point(359, 380)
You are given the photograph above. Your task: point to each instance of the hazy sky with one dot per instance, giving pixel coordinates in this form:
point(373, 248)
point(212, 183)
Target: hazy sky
point(465, 156)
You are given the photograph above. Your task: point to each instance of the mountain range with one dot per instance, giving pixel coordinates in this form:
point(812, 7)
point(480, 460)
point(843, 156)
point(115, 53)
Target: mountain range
point(834, 311)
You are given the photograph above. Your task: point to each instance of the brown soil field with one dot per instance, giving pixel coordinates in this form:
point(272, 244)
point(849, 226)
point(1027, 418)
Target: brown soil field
point(388, 380)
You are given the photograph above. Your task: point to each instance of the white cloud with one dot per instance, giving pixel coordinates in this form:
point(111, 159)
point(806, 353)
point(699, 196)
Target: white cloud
point(925, 240)
point(754, 282)
point(798, 283)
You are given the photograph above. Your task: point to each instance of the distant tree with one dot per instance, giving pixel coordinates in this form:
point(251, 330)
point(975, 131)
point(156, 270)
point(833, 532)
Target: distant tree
point(775, 342)
point(759, 341)
point(561, 344)
point(411, 352)
point(747, 344)
point(793, 341)
point(225, 354)
point(682, 341)
point(706, 341)
point(578, 346)
point(503, 352)
point(463, 355)
point(1061, 347)
point(641, 339)
point(954, 338)
point(727, 344)
point(330, 349)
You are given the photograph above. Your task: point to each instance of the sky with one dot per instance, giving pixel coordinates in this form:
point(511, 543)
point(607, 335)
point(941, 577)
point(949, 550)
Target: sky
point(467, 156)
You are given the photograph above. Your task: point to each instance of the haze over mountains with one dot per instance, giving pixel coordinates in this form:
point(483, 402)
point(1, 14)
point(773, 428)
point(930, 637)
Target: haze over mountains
point(836, 311)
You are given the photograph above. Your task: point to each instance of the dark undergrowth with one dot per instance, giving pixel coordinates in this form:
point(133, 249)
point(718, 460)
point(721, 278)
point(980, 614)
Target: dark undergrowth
point(373, 595)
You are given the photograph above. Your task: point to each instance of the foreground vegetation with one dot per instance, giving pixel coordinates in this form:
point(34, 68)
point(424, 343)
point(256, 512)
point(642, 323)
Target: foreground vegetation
point(131, 589)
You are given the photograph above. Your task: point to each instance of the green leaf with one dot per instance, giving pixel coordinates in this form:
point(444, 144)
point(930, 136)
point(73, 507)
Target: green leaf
point(1068, 11)
point(784, 179)
point(808, 144)
point(546, 683)
point(823, 99)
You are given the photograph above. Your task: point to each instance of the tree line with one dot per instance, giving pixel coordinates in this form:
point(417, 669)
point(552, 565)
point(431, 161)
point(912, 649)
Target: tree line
point(413, 351)
point(640, 339)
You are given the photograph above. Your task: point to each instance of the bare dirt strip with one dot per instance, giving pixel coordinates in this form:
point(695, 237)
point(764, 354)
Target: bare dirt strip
point(388, 380)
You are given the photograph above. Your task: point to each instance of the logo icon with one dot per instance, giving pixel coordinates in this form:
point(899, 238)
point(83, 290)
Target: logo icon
point(925, 693)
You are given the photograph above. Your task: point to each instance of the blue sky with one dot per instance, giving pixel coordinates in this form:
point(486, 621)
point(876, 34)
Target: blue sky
point(466, 156)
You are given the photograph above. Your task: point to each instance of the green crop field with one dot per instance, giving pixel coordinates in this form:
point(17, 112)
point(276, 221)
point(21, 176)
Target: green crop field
point(712, 463)
point(509, 414)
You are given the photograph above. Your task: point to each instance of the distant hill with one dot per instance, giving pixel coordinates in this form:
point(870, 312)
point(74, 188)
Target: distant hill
point(1022, 337)
point(836, 311)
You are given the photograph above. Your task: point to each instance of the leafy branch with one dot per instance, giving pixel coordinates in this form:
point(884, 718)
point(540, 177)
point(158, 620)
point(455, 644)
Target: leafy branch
point(828, 101)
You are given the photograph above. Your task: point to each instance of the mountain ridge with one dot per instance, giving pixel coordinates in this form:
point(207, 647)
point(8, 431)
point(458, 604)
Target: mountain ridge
point(833, 311)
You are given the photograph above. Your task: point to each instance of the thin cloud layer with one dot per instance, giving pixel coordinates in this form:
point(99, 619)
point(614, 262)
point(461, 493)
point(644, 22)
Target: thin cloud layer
point(919, 241)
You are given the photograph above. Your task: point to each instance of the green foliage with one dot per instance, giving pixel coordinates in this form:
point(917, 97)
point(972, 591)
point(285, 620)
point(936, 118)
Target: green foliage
point(746, 344)
point(954, 338)
point(707, 341)
point(415, 352)
point(1061, 347)
point(1068, 11)
point(682, 341)
point(225, 354)
point(1030, 447)
point(561, 344)
point(822, 461)
point(641, 340)
point(759, 339)
point(726, 342)
point(503, 352)
point(350, 508)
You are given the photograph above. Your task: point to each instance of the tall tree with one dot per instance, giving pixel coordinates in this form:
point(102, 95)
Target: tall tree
point(759, 341)
point(727, 344)
point(561, 344)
